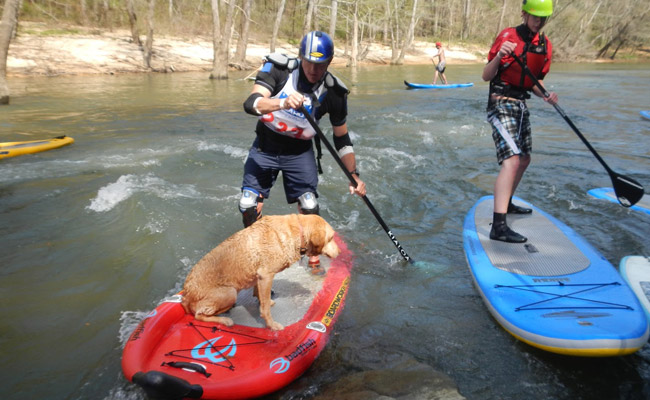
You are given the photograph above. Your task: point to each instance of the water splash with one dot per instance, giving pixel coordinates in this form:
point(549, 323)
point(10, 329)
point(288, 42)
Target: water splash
point(114, 193)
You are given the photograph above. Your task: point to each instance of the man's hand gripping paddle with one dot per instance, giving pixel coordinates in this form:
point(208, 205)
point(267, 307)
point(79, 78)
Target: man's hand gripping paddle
point(628, 191)
point(331, 149)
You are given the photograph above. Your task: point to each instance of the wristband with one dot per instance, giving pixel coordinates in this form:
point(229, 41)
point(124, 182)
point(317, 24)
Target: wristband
point(282, 101)
point(354, 172)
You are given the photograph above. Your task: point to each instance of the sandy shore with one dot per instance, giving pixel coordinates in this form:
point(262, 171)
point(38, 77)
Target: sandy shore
point(95, 52)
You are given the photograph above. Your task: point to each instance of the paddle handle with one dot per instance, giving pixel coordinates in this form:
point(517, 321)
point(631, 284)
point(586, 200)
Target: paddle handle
point(353, 181)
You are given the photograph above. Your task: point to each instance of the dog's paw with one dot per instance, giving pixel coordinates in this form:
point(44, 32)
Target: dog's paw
point(276, 326)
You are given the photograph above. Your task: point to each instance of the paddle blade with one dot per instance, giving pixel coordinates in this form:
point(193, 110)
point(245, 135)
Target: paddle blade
point(628, 191)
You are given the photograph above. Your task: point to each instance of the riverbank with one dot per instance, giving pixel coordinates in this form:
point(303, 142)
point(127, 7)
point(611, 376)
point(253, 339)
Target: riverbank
point(75, 50)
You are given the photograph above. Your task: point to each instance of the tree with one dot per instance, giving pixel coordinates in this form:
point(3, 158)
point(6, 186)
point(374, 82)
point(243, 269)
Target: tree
point(623, 31)
point(133, 21)
point(386, 25)
point(276, 25)
point(84, 14)
point(103, 13)
point(7, 26)
point(240, 54)
point(333, 12)
point(503, 12)
point(354, 52)
point(221, 40)
point(308, 17)
point(407, 40)
point(148, 46)
point(466, 16)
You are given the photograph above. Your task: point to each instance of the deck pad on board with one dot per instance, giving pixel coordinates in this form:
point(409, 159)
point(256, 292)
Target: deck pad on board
point(294, 290)
point(546, 253)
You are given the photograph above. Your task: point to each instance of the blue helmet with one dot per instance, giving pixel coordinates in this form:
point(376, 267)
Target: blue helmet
point(317, 47)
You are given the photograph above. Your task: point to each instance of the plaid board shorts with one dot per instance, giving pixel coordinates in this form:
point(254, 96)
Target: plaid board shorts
point(510, 128)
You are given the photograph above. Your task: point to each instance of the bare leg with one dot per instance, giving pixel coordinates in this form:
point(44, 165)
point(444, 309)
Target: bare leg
point(524, 162)
point(506, 183)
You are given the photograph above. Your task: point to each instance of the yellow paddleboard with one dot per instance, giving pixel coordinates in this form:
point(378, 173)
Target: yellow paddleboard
point(12, 149)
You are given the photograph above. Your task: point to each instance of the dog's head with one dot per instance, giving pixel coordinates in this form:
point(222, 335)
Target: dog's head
point(319, 236)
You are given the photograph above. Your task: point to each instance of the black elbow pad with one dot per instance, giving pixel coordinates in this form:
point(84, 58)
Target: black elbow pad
point(250, 101)
point(342, 141)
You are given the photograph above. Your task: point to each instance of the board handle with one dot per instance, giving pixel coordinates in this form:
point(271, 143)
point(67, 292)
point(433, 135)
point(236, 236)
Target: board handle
point(186, 365)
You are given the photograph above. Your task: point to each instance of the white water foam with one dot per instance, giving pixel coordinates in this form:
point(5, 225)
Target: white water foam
point(427, 137)
point(114, 193)
point(351, 221)
point(234, 152)
point(401, 159)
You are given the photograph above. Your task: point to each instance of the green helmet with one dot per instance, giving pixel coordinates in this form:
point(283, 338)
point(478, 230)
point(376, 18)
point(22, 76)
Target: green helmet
point(538, 8)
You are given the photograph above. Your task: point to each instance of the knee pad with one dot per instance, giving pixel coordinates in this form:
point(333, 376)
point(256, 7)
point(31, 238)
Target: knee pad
point(248, 206)
point(308, 203)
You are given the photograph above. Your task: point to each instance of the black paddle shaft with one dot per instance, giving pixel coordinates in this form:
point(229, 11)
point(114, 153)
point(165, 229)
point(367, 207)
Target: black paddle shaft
point(331, 149)
point(628, 191)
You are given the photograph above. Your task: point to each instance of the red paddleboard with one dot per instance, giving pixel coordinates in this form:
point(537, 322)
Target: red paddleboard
point(171, 355)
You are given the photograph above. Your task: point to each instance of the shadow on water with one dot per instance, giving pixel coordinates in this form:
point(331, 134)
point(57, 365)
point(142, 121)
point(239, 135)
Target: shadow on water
point(96, 233)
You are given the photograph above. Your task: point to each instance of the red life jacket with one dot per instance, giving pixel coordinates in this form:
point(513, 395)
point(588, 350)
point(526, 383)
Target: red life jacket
point(511, 81)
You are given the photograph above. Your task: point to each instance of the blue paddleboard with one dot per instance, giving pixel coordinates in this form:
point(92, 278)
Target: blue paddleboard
point(645, 114)
point(607, 193)
point(554, 292)
point(636, 272)
point(430, 86)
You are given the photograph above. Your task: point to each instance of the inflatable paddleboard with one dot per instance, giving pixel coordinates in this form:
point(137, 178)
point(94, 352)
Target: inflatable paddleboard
point(12, 149)
point(554, 292)
point(645, 114)
point(636, 272)
point(606, 193)
point(430, 86)
point(172, 355)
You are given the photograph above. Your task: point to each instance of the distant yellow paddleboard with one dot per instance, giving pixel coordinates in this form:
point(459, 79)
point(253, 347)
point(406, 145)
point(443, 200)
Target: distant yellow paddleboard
point(12, 149)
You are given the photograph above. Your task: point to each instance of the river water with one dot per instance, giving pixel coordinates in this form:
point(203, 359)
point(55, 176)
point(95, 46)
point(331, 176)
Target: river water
point(96, 233)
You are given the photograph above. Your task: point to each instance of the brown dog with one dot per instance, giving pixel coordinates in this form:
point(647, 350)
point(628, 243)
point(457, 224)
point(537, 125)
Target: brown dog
point(251, 257)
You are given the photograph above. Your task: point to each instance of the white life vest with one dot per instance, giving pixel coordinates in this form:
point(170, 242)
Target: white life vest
point(292, 122)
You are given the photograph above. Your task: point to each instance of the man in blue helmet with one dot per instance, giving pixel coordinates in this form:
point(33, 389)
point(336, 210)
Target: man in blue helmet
point(283, 134)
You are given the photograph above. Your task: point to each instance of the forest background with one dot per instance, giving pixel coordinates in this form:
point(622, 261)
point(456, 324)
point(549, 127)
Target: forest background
point(376, 31)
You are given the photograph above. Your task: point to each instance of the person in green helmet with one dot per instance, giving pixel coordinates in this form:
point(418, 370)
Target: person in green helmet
point(507, 112)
